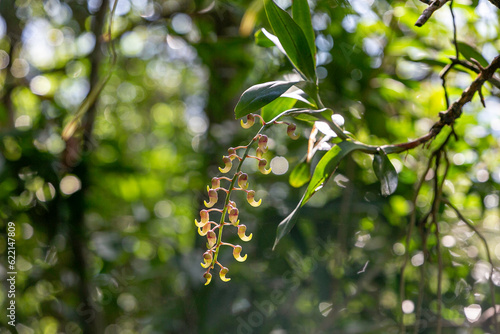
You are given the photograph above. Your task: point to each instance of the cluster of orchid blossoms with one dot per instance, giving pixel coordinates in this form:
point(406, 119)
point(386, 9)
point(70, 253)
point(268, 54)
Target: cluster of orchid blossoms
point(239, 182)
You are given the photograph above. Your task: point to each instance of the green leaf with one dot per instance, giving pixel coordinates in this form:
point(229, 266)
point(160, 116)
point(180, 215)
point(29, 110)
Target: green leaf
point(262, 40)
point(276, 107)
point(292, 39)
point(302, 15)
point(327, 165)
point(300, 175)
point(385, 173)
point(306, 118)
point(428, 61)
point(287, 224)
point(258, 96)
point(469, 52)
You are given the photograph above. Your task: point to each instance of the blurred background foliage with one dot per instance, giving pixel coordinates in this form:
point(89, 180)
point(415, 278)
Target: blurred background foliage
point(105, 235)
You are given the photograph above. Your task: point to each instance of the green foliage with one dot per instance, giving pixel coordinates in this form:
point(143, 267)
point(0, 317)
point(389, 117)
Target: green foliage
point(385, 173)
point(260, 95)
point(292, 40)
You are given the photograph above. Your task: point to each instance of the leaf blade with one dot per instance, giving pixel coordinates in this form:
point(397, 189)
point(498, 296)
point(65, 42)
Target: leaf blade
point(292, 39)
point(302, 15)
point(276, 107)
point(300, 175)
point(327, 165)
point(260, 95)
point(386, 173)
point(286, 225)
point(469, 52)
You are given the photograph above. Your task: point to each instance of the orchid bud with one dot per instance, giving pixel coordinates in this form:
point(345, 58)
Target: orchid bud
point(233, 216)
point(249, 123)
point(259, 153)
point(204, 230)
point(237, 254)
point(213, 198)
point(215, 183)
point(231, 151)
point(251, 200)
point(212, 239)
point(208, 277)
point(243, 181)
point(290, 131)
point(204, 218)
point(262, 167)
point(227, 165)
point(222, 274)
point(241, 233)
point(263, 143)
point(207, 259)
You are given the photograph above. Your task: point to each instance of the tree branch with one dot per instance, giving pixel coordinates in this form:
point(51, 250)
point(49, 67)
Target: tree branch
point(427, 13)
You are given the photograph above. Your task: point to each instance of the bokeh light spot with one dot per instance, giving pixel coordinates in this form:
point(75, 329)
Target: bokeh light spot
point(70, 184)
point(279, 165)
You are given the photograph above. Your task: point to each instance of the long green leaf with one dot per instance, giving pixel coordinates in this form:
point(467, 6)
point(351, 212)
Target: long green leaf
point(469, 52)
point(327, 165)
point(258, 96)
point(276, 107)
point(386, 173)
point(292, 39)
point(302, 15)
point(262, 40)
point(287, 224)
point(300, 175)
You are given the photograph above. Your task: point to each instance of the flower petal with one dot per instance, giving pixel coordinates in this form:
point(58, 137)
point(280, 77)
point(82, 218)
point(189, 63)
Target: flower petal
point(204, 218)
point(262, 167)
point(241, 233)
point(290, 131)
point(263, 143)
point(212, 239)
point(215, 183)
point(207, 259)
point(249, 123)
point(233, 216)
point(208, 277)
point(237, 254)
point(243, 181)
point(222, 274)
point(251, 199)
point(227, 165)
point(213, 197)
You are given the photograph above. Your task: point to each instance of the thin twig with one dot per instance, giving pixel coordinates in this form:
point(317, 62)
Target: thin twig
point(413, 219)
point(488, 254)
point(427, 13)
point(454, 30)
point(468, 65)
point(421, 284)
